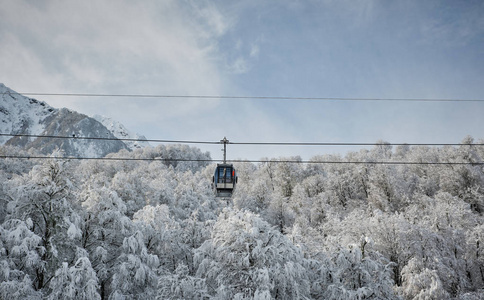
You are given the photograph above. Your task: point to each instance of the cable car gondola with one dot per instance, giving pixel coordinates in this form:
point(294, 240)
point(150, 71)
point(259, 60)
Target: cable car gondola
point(224, 180)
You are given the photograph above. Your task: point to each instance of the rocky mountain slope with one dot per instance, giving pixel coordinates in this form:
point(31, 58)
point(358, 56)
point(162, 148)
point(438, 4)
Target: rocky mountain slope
point(26, 116)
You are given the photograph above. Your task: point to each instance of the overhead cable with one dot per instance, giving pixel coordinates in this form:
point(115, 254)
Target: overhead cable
point(236, 143)
point(346, 144)
point(225, 97)
point(240, 161)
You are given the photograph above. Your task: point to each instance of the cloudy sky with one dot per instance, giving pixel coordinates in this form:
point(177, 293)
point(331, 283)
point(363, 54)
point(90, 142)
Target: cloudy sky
point(319, 49)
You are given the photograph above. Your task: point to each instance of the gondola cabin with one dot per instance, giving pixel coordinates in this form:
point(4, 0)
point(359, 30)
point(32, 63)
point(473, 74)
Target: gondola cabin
point(224, 180)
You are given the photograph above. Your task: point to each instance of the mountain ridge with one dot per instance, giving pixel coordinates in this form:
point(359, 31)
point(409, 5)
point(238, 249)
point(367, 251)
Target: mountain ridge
point(21, 115)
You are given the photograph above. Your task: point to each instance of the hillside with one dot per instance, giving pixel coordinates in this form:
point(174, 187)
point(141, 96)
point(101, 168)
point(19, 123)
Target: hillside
point(26, 116)
point(402, 223)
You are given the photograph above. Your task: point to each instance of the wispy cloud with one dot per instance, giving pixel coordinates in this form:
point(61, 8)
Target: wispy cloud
point(454, 30)
point(118, 37)
point(164, 47)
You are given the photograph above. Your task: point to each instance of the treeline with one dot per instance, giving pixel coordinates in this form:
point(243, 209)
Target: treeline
point(100, 229)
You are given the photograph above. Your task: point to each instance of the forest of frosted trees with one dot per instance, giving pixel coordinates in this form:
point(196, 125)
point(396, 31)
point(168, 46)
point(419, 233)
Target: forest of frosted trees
point(152, 229)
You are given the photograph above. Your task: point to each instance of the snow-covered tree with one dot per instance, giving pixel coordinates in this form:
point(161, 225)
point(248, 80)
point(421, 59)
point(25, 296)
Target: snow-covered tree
point(131, 189)
point(188, 196)
point(44, 197)
point(163, 236)
point(246, 257)
point(76, 282)
point(420, 282)
point(105, 227)
point(359, 273)
point(20, 258)
point(135, 274)
point(254, 195)
point(440, 241)
point(286, 175)
point(181, 285)
point(475, 256)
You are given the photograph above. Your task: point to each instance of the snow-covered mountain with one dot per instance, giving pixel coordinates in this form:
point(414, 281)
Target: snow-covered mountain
point(122, 132)
point(26, 116)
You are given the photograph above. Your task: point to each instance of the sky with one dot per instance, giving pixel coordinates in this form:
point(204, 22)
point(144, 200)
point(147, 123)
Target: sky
point(317, 49)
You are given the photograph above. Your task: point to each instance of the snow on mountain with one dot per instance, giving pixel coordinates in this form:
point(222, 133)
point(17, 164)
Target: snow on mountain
point(21, 115)
point(132, 140)
point(26, 116)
